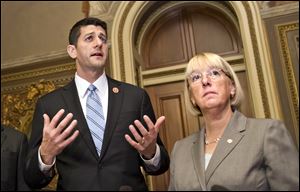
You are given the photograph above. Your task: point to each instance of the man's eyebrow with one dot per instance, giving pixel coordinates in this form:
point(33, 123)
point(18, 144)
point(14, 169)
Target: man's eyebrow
point(90, 33)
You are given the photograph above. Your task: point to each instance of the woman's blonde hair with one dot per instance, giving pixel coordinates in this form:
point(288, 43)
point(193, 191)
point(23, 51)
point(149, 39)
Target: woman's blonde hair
point(211, 60)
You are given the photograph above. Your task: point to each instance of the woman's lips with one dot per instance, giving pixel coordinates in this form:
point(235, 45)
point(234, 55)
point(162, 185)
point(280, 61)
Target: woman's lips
point(208, 93)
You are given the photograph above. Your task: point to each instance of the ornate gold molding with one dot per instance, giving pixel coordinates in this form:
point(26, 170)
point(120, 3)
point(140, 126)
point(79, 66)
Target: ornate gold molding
point(254, 40)
point(18, 108)
point(120, 38)
point(21, 88)
point(287, 67)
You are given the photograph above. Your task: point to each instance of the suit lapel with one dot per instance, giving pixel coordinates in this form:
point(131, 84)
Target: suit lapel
point(115, 100)
point(71, 98)
point(198, 159)
point(231, 137)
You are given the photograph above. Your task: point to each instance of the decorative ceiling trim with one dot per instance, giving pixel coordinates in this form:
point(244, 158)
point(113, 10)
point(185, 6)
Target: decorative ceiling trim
point(267, 12)
point(37, 72)
point(102, 9)
point(35, 59)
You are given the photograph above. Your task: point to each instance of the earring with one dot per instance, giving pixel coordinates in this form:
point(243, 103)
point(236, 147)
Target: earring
point(193, 102)
point(232, 94)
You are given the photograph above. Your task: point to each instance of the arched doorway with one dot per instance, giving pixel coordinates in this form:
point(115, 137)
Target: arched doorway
point(153, 41)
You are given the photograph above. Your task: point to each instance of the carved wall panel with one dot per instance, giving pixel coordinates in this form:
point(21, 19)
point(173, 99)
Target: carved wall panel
point(18, 108)
point(283, 35)
point(20, 89)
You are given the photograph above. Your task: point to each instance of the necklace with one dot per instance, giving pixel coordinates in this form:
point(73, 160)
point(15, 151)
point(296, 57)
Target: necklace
point(213, 141)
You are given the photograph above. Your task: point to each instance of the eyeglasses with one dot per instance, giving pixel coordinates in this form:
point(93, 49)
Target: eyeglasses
point(213, 74)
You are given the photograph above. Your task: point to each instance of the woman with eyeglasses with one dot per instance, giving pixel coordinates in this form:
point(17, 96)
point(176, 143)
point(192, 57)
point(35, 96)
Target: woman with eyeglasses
point(231, 151)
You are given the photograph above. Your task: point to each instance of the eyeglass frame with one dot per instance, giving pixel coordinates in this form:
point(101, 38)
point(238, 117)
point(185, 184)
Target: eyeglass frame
point(208, 73)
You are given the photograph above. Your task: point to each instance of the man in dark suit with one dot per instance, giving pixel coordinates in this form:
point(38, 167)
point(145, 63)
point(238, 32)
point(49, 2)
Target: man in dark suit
point(61, 134)
point(13, 151)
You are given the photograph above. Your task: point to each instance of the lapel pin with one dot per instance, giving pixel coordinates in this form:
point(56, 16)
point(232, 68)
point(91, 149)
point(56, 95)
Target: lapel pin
point(229, 140)
point(115, 90)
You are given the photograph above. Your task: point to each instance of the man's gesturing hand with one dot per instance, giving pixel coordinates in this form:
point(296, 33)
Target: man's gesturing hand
point(146, 143)
point(56, 135)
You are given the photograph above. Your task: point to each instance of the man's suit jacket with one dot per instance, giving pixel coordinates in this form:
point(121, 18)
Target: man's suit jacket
point(253, 154)
point(13, 151)
point(79, 167)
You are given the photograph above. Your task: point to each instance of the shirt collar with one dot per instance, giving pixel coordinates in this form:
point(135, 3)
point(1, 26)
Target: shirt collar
point(82, 85)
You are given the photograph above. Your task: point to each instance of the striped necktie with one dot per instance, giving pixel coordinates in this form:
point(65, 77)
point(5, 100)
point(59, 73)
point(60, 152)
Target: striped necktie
point(95, 118)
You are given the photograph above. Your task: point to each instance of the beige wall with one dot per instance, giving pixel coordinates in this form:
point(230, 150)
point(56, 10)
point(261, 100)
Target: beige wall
point(33, 28)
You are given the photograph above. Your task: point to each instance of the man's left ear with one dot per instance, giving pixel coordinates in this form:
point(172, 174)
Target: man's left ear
point(71, 49)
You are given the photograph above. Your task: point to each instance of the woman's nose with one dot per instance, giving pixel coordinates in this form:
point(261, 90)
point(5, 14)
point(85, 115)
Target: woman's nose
point(205, 80)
